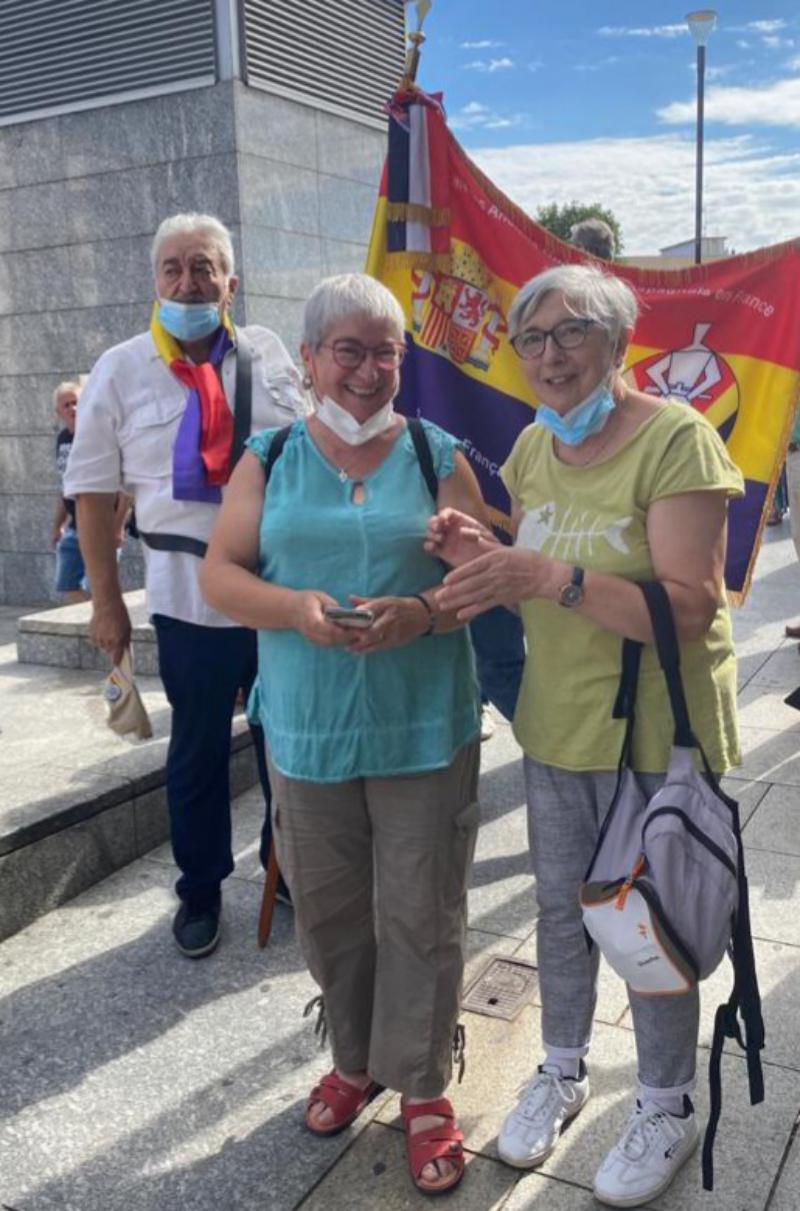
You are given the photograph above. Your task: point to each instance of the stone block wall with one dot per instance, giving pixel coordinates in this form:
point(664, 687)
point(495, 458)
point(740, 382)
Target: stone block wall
point(80, 197)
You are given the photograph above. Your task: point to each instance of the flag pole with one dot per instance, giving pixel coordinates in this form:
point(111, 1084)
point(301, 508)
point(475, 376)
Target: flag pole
point(415, 40)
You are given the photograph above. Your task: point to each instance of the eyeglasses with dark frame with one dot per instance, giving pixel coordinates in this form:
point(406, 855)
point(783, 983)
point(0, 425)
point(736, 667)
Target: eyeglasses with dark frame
point(350, 354)
point(567, 334)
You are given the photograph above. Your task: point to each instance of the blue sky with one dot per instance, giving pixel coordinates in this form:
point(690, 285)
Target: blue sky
point(569, 99)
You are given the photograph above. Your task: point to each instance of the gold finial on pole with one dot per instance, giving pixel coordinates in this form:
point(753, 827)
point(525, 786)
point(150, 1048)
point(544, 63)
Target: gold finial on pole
point(415, 39)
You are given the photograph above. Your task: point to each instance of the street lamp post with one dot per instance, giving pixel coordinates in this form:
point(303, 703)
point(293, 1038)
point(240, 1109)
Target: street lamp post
point(700, 23)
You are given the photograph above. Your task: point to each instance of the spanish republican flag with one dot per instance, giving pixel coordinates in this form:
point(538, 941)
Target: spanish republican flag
point(724, 337)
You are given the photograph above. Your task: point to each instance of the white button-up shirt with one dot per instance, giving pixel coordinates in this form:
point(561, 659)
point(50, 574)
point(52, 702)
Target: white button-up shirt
point(127, 421)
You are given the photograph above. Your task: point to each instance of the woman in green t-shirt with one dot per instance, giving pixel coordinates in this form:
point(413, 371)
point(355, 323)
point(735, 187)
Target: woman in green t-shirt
point(608, 487)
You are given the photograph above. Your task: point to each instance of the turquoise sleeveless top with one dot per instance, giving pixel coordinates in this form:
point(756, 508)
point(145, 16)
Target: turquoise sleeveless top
point(329, 714)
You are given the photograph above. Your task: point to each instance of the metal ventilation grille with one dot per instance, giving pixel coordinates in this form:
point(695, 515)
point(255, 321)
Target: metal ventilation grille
point(342, 55)
point(62, 52)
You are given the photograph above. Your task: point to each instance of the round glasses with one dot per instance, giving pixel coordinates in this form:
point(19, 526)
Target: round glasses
point(567, 334)
point(350, 354)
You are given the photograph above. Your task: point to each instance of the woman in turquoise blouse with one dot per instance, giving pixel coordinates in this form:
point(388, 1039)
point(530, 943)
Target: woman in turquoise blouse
point(372, 731)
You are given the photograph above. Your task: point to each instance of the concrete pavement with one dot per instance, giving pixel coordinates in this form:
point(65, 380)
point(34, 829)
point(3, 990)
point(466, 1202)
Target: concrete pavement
point(135, 1080)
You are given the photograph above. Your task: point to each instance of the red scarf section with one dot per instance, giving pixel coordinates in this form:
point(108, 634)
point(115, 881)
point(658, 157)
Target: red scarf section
point(216, 424)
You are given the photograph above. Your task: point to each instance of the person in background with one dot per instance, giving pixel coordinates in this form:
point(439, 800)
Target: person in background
point(594, 236)
point(70, 571)
point(609, 487)
point(372, 733)
point(160, 415)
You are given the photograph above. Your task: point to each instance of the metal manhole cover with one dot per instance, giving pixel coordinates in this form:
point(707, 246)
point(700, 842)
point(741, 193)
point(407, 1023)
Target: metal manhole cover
point(502, 988)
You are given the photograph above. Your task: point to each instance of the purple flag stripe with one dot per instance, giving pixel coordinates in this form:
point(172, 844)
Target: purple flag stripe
point(744, 519)
point(486, 420)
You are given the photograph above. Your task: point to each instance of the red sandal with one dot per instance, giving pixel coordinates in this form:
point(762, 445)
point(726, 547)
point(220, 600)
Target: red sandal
point(442, 1142)
point(345, 1100)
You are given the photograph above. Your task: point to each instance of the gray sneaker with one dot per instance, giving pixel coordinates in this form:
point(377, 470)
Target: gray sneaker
point(530, 1132)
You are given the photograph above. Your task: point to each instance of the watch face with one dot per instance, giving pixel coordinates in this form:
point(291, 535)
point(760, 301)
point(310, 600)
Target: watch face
point(571, 595)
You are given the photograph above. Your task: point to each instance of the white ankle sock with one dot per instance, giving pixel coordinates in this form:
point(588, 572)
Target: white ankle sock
point(565, 1067)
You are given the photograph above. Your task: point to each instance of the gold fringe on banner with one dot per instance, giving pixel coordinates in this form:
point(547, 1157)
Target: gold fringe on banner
point(431, 216)
point(441, 261)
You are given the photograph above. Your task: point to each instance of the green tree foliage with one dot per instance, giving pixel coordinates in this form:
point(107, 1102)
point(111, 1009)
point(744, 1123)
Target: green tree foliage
point(560, 219)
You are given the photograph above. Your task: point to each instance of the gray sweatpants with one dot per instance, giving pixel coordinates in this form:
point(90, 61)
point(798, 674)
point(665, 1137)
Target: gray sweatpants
point(378, 869)
point(565, 812)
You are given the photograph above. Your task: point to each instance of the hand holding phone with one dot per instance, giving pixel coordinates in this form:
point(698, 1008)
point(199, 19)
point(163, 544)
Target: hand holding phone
point(344, 617)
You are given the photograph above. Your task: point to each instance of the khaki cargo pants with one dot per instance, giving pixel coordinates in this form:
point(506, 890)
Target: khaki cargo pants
point(378, 870)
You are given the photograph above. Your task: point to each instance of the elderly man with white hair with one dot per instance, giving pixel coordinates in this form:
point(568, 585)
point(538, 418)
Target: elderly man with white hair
point(164, 416)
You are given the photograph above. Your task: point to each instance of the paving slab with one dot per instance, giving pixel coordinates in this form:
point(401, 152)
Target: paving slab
point(775, 825)
point(786, 1196)
point(536, 1192)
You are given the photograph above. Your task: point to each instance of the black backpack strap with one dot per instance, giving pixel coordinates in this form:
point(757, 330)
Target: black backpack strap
point(274, 452)
point(242, 399)
point(174, 542)
point(423, 450)
point(666, 638)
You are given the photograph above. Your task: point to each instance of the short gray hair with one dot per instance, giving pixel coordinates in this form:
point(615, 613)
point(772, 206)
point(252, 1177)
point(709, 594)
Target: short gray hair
point(191, 221)
point(587, 291)
point(348, 294)
point(67, 385)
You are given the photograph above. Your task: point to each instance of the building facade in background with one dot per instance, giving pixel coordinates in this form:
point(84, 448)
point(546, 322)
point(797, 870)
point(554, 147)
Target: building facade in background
point(116, 113)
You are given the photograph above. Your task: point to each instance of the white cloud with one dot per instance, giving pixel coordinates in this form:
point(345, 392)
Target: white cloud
point(476, 116)
point(743, 43)
point(484, 44)
point(642, 31)
point(775, 104)
point(765, 27)
point(774, 42)
point(490, 64)
point(535, 64)
point(751, 191)
point(794, 64)
point(598, 65)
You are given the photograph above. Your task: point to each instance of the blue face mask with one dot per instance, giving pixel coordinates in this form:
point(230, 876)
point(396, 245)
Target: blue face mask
point(580, 422)
point(189, 321)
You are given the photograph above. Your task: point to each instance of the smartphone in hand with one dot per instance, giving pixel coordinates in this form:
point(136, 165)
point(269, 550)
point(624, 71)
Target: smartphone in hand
point(349, 618)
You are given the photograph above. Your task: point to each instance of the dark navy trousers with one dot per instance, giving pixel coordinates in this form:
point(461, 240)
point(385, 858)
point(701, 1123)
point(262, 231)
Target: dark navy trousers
point(203, 669)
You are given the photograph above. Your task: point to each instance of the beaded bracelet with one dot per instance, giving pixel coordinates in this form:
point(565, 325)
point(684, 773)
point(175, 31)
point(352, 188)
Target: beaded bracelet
point(431, 615)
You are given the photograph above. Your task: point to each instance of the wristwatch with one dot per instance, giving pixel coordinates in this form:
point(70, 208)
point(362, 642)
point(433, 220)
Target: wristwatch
point(571, 595)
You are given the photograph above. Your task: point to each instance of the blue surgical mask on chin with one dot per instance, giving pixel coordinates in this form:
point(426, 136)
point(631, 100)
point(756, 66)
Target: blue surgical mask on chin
point(189, 321)
point(586, 418)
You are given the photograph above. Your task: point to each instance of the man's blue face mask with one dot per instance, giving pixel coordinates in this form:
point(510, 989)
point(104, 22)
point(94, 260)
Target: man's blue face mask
point(189, 321)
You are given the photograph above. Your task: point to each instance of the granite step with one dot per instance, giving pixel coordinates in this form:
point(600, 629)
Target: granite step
point(60, 638)
point(78, 802)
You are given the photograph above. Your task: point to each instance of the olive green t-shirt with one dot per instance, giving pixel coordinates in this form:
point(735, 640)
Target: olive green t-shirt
point(596, 517)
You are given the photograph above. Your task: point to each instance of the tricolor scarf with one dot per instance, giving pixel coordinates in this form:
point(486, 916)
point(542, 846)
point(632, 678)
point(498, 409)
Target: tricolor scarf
point(202, 452)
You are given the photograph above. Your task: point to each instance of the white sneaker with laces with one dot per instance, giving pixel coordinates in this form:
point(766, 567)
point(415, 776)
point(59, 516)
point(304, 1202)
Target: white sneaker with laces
point(652, 1148)
point(530, 1132)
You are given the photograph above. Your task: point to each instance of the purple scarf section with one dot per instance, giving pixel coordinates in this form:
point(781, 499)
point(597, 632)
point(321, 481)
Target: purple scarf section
point(188, 471)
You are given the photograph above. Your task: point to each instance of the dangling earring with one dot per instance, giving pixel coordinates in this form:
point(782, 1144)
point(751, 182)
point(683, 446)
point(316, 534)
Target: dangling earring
point(307, 381)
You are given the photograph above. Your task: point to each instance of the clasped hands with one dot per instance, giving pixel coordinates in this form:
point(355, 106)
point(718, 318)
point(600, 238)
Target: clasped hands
point(485, 573)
